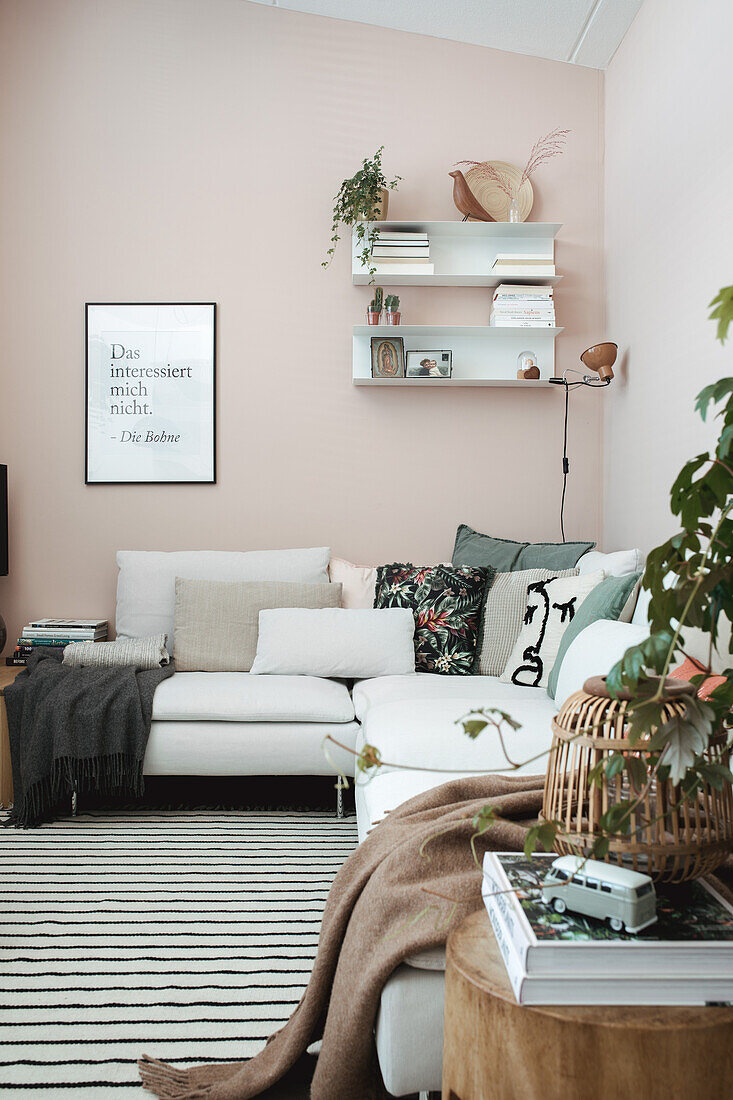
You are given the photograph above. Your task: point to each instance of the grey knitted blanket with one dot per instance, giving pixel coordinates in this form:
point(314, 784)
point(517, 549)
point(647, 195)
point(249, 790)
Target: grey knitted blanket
point(76, 730)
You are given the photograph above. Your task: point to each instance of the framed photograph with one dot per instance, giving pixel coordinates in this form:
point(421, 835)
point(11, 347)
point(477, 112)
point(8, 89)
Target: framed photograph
point(150, 393)
point(429, 364)
point(388, 357)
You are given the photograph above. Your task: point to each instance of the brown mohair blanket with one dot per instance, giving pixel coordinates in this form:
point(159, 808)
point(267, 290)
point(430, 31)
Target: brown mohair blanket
point(371, 923)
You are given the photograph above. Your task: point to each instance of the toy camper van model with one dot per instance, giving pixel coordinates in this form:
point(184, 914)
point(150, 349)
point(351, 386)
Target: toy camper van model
point(626, 899)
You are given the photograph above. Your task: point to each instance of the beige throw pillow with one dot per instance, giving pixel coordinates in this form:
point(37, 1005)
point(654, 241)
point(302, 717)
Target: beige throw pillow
point(504, 610)
point(215, 623)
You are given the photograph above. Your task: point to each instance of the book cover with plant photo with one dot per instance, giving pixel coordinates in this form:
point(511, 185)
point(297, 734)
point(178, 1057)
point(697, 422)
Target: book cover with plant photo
point(690, 913)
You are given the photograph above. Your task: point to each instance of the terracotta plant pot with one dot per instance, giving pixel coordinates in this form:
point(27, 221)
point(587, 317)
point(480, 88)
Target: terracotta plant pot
point(373, 317)
point(393, 317)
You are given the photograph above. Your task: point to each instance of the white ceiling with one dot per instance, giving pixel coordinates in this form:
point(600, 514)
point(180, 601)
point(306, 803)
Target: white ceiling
point(584, 32)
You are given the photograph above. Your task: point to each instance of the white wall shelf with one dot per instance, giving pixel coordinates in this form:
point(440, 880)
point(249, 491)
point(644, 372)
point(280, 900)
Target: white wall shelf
point(448, 383)
point(463, 252)
point(482, 355)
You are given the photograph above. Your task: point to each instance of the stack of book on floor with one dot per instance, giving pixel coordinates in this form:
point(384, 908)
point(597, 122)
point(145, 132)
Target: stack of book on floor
point(56, 632)
point(515, 265)
point(516, 306)
point(407, 253)
point(685, 958)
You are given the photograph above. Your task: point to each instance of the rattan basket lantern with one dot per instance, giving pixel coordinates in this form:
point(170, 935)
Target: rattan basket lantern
point(670, 843)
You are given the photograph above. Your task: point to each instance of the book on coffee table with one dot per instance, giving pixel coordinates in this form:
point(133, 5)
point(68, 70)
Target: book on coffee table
point(686, 957)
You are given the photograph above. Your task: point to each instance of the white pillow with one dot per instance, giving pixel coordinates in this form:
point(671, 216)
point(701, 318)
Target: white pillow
point(146, 586)
point(618, 564)
point(594, 653)
point(551, 607)
point(358, 583)
point(336, 642)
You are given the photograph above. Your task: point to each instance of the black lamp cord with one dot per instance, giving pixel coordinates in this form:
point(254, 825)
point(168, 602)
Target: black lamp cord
point(565, 461)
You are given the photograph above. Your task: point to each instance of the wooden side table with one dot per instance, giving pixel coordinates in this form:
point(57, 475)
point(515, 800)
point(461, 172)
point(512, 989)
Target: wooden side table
point(7, 675)
point(495, 1049)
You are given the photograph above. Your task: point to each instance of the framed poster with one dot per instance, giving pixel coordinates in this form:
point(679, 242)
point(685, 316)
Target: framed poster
point(150, 393)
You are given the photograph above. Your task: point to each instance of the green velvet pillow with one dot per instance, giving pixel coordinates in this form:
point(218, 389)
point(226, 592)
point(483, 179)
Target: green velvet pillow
point(506, 556)
point(606, 601)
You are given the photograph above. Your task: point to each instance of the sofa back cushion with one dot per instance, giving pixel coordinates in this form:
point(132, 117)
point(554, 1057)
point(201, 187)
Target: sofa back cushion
point(215, 625)
point(146, 586)
point(619, 563)
point(335, 642)
point(594, 653)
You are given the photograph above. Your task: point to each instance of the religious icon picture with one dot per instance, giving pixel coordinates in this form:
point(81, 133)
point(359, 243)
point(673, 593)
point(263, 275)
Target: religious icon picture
point(388, 357)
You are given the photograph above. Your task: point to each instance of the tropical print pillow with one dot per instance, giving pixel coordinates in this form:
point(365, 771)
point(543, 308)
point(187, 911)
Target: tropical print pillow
point(447, 602)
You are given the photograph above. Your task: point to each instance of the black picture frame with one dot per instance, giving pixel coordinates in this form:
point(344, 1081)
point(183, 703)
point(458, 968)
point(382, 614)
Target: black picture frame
point(446, 357)
point(399, 346)
point(198, 481)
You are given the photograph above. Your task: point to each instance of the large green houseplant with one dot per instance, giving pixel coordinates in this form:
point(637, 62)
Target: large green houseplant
point(690, 578)
point(358, 203)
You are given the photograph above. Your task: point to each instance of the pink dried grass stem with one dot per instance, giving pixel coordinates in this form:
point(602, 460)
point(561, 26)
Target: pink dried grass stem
point(544, 149)
point(489, 172)
point(547, 147)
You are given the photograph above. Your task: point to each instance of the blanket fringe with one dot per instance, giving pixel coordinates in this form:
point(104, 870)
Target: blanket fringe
point(112, 774)
point(167, 1082)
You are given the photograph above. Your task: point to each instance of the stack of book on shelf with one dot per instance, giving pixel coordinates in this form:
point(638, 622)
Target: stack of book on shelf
point(406, 253)
point(516, 265)
point(56, 632)
point(515, 306)
point(685, 958)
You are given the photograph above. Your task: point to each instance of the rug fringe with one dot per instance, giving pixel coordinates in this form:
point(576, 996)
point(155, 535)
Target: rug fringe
point(167, 1082)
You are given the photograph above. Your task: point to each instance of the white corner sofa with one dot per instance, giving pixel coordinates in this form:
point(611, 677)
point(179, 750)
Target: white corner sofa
point(237, 723)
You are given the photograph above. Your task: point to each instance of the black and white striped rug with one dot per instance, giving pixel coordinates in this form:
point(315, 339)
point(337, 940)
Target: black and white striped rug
point(188, 935)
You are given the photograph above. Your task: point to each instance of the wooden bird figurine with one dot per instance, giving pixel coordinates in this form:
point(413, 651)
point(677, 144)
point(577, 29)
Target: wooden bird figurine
point(465, 199)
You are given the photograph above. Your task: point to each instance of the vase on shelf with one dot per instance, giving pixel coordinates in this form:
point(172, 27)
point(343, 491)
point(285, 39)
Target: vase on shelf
point(514, 214)
point(378, 212)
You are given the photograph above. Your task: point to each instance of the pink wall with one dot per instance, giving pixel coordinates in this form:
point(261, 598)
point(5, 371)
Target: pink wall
point(183, 149)
point(669, 241)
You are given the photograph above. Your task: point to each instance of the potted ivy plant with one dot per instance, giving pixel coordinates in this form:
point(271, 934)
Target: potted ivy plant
point(361, 201)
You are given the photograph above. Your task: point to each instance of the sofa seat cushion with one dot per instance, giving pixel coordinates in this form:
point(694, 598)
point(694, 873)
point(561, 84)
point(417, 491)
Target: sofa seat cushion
point(248, 748)
point(242, 697)
point(477, 690)
point(423, 733)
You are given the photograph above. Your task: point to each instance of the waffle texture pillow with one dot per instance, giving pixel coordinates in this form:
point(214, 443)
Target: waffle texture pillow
point(551, 608)
point(447, 603)
point(504, 609)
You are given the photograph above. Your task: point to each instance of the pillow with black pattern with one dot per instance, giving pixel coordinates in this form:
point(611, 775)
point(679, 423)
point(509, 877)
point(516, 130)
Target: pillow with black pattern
point(447, 602)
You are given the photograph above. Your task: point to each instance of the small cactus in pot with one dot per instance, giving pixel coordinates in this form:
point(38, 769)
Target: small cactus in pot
point(392, 304)
point(374, 309)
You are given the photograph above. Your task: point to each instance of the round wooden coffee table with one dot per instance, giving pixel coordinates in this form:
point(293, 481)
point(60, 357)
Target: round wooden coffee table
point(496, 1049)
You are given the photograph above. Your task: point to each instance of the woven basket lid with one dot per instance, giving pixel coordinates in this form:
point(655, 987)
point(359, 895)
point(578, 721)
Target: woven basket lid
point(673, 689)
